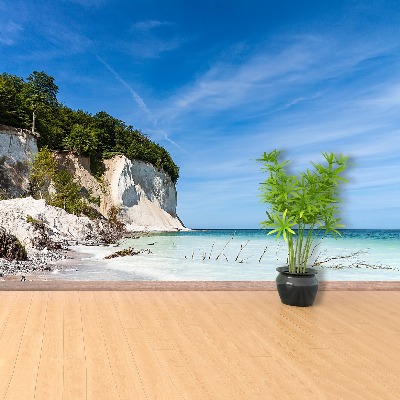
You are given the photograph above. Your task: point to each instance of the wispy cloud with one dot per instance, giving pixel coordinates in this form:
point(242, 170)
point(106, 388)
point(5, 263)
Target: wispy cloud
point(141, 104)
point(88, 3)
point(386, 97)
point(150, 24)
point(138, 100)
point(157, 134)
point(151, 47)
point(150, 42)
point(66, 38)
point(296, 101)
point(9, 32)
point(267, 77)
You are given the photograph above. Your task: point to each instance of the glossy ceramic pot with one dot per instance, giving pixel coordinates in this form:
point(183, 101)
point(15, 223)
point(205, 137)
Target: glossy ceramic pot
point(297, 289)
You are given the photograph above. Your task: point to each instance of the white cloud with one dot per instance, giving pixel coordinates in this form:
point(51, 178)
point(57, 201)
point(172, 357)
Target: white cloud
point(138, 100)
point(151, 47)
point(66, 39)
point(384, 97)
point(9, 32)
point(150, 24)
point(88, 3)
point(147, 42)
point(262, 83)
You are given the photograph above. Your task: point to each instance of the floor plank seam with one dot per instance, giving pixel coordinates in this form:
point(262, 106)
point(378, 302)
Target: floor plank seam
point(8, 315)
point(129, 346)
point(158, 361)
point(63, 342)
point(84, 344)
point(209, 339)
point(295, 359)
point(179, 353)
point(105, 346)
point(41, 346)
point(19, 348)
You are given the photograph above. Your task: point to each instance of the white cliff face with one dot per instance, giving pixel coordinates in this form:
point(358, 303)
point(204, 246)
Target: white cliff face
point(146, 196)
point(17, 148)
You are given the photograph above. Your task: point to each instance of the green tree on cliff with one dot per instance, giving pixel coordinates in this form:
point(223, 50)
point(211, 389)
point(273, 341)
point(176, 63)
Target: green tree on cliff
point(13, 108)
point(82, 140)
point(43, 169)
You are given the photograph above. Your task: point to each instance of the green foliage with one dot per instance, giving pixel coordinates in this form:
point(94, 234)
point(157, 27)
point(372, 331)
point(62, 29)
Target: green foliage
point(108, 128)
point(41, 90)
point(67, 193)
point(82, 140)
point(97, 168)
point(42, 174)
point(302, 202)
point(14, 110)
point(33, 221)
point(60, 128)
point(57, 186)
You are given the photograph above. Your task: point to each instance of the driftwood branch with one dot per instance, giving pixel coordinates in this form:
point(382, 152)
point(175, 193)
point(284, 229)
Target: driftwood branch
point(219, 255)
point(241, 248)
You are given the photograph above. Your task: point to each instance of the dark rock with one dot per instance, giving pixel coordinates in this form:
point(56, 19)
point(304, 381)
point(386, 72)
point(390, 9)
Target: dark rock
point(130, 251)
point(10, 247)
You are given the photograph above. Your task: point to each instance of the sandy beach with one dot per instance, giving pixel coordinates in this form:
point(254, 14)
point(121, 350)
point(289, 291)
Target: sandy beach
point(171, 341)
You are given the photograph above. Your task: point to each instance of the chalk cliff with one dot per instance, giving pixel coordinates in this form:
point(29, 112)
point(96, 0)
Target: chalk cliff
point(17, 147)
point(146, 196)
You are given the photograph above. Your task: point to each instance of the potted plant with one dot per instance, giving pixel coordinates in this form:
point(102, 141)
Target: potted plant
point(299, 204)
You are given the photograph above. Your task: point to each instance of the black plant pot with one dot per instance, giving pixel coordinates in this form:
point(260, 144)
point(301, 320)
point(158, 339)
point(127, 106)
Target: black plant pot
point(297, 289)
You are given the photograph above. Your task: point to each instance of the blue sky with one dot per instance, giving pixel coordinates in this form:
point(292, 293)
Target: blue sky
point(219, 82)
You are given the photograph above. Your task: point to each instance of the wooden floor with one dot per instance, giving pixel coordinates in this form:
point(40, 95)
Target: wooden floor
point(198, 345)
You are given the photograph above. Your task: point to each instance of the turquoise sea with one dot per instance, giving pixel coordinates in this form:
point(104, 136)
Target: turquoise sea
point(249, 255)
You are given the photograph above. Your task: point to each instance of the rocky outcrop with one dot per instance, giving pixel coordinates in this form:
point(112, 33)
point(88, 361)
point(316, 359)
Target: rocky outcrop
point(17, 147)
point(60, 226)
point(10, 247)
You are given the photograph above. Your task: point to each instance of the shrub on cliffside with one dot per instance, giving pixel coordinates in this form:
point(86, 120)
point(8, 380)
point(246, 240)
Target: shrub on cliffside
point(10, 247)
point(57, 186)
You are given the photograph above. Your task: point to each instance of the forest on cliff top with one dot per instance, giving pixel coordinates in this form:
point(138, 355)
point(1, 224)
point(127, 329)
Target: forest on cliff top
point(99, 136)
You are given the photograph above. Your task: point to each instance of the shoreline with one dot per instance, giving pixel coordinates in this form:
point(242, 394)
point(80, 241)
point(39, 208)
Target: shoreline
point(83, 264)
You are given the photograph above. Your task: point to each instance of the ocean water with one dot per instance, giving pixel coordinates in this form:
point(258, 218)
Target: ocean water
point(236, 255)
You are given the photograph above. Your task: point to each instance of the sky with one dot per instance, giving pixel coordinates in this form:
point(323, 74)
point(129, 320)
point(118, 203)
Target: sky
point(219, 82)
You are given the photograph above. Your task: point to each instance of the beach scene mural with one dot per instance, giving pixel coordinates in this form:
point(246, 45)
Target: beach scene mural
point(199, 199)
point(154, 117)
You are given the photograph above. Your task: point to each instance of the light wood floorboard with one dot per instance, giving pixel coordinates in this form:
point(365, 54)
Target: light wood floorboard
point(122, 345)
